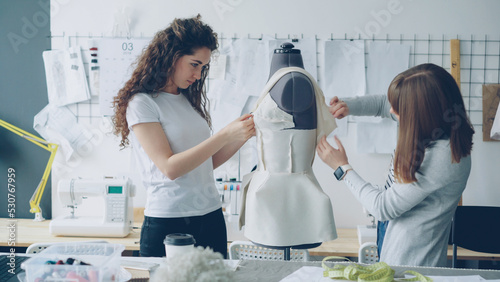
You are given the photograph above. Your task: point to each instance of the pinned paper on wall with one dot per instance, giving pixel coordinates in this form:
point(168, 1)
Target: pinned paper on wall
point(218, 67)
point(116, 58)
point(253, 67)
point(230, 97)
point(223, 106)
point(344, 69)
point(384, 61)
point(378, 138)
point(344, 73)
point(59, 125)
point(225, 103)
point(65, 75)
point(222, 89)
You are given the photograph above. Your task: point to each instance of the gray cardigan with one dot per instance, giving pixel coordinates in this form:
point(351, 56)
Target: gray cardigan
point(419, 213)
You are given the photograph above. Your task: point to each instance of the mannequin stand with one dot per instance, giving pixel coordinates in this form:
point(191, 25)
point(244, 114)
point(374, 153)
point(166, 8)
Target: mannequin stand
point(287, 253)
point(287, 250)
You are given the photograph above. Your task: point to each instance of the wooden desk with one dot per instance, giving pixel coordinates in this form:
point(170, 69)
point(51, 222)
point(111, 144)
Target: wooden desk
point(29, 232)
point(346, 245)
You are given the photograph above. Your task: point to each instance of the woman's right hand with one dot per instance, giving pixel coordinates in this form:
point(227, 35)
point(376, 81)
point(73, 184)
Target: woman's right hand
point(338, 108)
point(241, 129)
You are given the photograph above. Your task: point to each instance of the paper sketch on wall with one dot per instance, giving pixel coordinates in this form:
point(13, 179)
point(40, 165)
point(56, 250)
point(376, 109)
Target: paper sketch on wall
point(344, 73)
point(59, 125)
point(246, 70)
point(383, 62)
point(253, 67)
point(65, 76)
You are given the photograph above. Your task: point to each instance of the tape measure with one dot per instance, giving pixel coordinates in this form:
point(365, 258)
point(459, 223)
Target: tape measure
point(379, 272)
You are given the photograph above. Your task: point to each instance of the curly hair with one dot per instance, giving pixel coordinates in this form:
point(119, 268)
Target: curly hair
point(155, 67)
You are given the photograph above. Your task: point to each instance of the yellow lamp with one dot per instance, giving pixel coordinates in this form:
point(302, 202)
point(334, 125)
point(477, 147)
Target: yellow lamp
point(52, 148)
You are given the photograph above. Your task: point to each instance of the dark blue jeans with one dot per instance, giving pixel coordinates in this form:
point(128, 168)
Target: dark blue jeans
point(208, 230)
point(381, 228)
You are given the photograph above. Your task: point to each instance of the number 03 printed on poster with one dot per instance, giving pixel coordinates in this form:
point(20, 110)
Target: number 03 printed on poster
point(116, 58)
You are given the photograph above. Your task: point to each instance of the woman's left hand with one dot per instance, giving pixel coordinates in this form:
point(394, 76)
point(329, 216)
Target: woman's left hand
point(331, 156)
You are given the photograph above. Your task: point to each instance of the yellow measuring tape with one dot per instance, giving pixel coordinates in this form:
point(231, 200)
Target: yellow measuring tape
point(378, 272)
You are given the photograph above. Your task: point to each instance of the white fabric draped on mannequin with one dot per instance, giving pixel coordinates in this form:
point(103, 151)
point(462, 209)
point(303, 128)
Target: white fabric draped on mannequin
point(283, 203)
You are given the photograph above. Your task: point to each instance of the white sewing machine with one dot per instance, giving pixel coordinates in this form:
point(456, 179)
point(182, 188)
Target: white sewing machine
point(118, 209)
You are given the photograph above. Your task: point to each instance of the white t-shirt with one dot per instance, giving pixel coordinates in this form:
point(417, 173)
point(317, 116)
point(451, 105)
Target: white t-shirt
point(192, 194)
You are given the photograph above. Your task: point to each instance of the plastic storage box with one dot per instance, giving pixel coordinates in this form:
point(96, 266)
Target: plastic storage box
point(103, 263)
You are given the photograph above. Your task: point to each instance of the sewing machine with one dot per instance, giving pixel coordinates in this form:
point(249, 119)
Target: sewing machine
point(118, 209)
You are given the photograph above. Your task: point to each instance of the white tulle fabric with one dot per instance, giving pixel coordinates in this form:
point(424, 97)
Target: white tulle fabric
point(283, 203)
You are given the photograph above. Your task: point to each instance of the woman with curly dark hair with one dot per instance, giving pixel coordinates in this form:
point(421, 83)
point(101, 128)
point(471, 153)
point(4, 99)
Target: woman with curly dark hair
point(162, 113)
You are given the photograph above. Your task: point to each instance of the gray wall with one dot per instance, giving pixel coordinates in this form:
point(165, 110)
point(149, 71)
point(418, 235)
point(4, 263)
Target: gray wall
point(24, 35)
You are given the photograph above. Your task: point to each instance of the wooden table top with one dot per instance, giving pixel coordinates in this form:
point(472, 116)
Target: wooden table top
point(29, 231)
point(346, 245)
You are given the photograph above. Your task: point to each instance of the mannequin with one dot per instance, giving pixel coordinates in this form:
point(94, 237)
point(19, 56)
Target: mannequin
point(293, 93)
point(283, 205)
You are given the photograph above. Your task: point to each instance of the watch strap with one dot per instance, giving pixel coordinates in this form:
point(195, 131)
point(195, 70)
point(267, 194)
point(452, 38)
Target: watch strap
point(346, 167)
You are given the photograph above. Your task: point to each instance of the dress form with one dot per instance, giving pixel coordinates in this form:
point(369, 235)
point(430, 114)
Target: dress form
point(294, 94)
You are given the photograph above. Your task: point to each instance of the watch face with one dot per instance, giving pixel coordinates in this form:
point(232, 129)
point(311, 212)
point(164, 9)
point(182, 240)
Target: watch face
point(338, 173)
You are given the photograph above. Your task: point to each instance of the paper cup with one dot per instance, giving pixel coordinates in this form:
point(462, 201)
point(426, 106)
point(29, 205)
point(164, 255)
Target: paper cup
point(178, 243)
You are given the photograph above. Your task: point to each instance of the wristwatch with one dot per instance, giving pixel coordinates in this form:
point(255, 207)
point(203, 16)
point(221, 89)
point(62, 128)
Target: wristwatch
point(341, 171)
